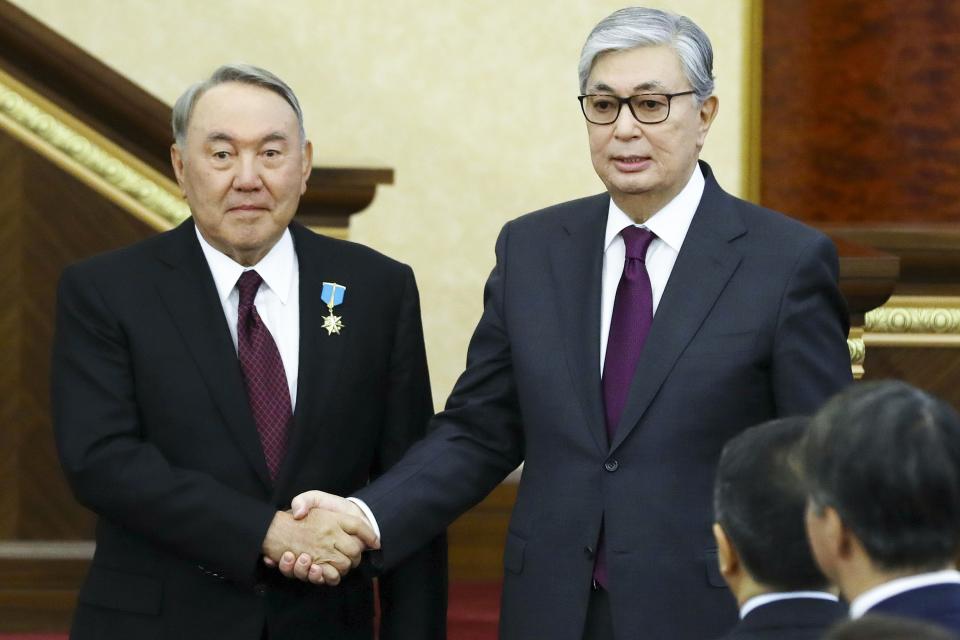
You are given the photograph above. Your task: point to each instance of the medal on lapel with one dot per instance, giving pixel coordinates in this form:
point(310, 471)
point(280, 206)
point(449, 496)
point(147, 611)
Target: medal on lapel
point(332, 295)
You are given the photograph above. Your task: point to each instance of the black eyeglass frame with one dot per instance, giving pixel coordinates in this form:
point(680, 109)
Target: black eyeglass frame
point(626, 101)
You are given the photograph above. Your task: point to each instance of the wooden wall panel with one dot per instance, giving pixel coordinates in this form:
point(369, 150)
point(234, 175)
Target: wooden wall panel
point(861, 110)
point(935, 369)
point(59, 220)
point(10, 335)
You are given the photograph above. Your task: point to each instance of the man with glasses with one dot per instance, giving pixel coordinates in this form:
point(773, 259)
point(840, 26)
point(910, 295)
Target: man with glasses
point(625, 338)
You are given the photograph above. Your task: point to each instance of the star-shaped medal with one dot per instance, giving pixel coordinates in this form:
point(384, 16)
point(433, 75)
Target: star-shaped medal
point(332, 324)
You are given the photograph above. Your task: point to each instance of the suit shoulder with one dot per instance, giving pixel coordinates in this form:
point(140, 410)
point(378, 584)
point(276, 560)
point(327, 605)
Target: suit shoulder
point(347, 251)
point(563, 211)
point(776, 223)
point(124, 261)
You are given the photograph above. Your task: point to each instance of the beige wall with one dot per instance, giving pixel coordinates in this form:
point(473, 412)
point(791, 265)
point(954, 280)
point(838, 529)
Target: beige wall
point(472, 103)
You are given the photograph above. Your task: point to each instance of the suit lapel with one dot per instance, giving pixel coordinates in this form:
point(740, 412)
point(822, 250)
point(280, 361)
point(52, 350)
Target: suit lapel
point(576, 259)
point(706, 262)
point(190, 296)
point(320, 354)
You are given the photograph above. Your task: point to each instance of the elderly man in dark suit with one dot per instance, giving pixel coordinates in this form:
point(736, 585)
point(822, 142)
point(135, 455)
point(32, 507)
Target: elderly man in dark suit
point(205, 376)
point(764, 556)
point(625, 338)
point(882, 462)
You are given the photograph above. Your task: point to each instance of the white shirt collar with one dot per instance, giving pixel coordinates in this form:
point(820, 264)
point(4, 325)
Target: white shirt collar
point(767, 598)
point(670, 224)
point(276, 268)
point(872, 597)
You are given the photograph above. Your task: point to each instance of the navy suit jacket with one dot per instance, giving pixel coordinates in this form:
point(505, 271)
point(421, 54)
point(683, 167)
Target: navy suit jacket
point(937, 604)
point(793, 619)
point(751, 326)
point(156, 436)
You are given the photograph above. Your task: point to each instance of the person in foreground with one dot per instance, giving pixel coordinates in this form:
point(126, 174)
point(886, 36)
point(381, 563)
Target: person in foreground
point(203, 377)
point(764, 555)
point(625, 338)
point(882, 461)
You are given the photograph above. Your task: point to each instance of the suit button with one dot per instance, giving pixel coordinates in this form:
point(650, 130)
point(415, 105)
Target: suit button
point(260, 589)
point(611, 465)
point(588, 550)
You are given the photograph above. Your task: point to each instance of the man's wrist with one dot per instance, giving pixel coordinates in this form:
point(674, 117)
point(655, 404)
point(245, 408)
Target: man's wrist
point(367, 514)
point(272, 541)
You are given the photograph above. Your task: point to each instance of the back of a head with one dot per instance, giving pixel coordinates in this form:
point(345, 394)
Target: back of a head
point(886, 457)
point(759, 500)
point(880, 627)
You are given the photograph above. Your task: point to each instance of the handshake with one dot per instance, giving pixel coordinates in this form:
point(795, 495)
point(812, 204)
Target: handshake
point(319, 540)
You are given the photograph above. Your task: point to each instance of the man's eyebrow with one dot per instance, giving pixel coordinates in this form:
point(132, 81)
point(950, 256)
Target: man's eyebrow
point(651, 85)
point(221, 136)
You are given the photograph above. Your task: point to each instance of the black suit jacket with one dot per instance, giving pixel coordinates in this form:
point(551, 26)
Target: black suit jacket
point(937, 604)
point(793, 619)
point(156, 436)
point(751, 326)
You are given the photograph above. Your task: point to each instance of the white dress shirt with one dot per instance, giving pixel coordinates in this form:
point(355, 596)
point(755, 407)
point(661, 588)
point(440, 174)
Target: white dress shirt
point(277, 300)
point(767, 598)
point(872, 597)
point(670, 226)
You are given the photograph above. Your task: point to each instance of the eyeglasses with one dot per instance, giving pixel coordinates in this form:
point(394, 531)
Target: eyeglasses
point(647, 108)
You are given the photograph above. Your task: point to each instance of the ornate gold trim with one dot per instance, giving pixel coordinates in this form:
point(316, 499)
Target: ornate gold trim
point(47, 550)
point(858, 351)
point(87, 155)
point(916, 321)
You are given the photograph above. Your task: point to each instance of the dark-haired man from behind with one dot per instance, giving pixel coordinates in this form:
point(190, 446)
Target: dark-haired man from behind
point(763, 552)
point(882, 463)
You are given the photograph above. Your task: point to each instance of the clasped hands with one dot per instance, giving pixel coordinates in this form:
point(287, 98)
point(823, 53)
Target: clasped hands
point(319, 540)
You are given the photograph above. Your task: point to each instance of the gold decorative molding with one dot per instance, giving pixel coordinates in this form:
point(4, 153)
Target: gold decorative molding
point(47, 550)
point(858, 351)
point(918, 321)
point(90, 157)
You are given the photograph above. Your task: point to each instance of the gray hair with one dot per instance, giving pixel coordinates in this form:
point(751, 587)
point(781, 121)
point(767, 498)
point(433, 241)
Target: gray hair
point(242, 73)
point(634, 27)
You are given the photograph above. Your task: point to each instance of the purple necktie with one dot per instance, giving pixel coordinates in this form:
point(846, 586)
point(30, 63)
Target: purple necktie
point(263, 374)
point(629, 326)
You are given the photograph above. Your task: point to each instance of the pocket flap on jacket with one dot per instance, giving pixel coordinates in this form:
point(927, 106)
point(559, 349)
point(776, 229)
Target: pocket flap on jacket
point(120, 590)
point(513, 553)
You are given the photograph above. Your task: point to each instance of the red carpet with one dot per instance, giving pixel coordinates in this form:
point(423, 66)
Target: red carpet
point(473, 611)
point(472, 614)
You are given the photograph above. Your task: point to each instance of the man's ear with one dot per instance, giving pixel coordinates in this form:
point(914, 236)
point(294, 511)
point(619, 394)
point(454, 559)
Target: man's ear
point(845, 542)
point(307, 165)
point(708, 111)
point(176, 159)
point(727, 557)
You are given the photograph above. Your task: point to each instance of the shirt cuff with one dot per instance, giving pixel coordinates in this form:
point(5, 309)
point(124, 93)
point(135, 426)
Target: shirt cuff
point(369, 515)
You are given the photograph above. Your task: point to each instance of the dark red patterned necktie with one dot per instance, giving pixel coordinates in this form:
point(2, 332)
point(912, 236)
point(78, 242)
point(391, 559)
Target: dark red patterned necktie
point(263, 374)
point(629, 326)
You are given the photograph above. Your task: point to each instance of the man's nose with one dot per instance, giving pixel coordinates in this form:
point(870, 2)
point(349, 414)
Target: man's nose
point(626, 126)
point(247, 177)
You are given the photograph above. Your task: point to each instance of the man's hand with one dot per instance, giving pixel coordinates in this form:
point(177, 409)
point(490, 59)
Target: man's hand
point(303, 503)
point(328, 543)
